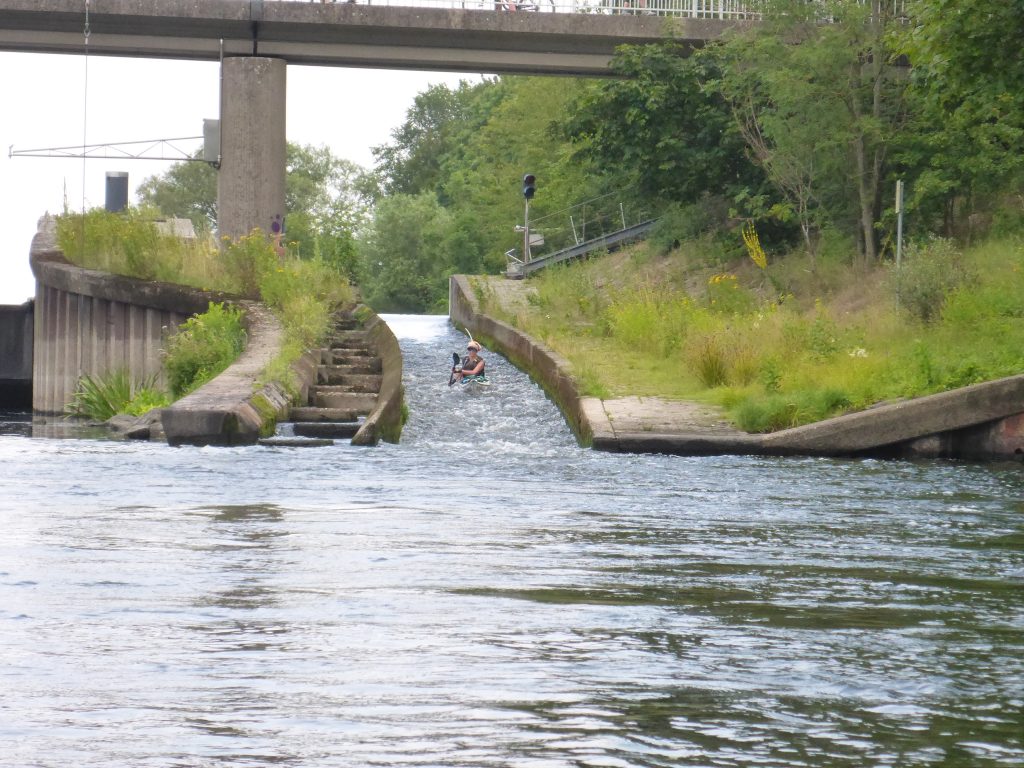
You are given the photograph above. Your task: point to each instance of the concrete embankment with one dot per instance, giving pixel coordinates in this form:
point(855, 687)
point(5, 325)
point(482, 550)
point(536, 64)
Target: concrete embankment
point(91, 323)
point(980, 422)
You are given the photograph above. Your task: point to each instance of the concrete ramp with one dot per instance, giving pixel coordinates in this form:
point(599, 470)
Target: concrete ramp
point(935, 418)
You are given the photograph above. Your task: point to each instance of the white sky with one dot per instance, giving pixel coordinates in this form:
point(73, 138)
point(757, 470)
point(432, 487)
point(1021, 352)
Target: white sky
point(47, 104)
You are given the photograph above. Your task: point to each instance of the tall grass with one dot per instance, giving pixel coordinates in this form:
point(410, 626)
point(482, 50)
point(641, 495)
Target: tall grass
point(100, 397)
point(774, 363)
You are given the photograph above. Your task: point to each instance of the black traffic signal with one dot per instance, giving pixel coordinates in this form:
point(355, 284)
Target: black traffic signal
point(529, 186)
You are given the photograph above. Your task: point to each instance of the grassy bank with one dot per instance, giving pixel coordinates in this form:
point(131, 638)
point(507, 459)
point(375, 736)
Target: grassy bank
point(302, 293)
point(778, 345)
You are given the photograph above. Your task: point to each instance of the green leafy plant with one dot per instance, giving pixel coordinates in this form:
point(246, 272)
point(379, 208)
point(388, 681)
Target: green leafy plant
point(204, 346)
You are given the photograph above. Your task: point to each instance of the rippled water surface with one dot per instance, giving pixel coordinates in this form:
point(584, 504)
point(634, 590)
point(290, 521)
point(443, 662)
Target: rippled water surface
point(489, 594)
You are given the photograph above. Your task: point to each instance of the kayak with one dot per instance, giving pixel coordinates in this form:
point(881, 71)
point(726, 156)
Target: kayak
point(466, 382)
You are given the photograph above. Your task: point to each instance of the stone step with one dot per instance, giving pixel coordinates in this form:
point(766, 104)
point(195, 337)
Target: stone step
point(325, 373)
point(308, 413)
point(351, 357)
point(353, 382)
point(349, 340)
point(295, 442)
point(336, 397)
point(339, 430)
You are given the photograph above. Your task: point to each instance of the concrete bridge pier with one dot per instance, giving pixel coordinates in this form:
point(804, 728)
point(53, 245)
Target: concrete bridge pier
point(250, 184)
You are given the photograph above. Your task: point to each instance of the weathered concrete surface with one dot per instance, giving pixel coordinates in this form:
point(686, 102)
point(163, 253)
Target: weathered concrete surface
point(90, 322)
point(251, 179)
point(655, 425)
point(16, 324)
point(229, 410)
point(980, 422)
point(385, 420)
point(343, 34)
point(896, 427)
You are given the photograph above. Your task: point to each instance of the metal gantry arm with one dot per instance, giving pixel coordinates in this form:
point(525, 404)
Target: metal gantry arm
point(149, 149)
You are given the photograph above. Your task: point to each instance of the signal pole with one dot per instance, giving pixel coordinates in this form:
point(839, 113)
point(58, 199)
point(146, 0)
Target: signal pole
point(529, 188)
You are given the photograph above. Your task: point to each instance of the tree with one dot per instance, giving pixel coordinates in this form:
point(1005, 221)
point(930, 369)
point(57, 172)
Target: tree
point(439, 116)
point(188, 190)
point(658, 129)
point(406, 253)
point(326, 207)
point(968, 85)
point(470, 148)
point(820, 105)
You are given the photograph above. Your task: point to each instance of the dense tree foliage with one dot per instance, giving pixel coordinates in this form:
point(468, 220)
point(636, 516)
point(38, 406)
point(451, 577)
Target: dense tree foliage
point(466, 150)
point(658, 129)
point(967, 143)
point(819, 106)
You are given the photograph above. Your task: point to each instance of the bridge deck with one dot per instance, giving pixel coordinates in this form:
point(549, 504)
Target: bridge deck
point(342, 34)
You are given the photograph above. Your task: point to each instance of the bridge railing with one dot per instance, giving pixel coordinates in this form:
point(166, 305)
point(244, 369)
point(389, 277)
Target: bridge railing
point(694, 9)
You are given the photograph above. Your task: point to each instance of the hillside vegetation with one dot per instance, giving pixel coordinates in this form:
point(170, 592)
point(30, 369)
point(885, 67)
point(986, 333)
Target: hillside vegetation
point(777, 347)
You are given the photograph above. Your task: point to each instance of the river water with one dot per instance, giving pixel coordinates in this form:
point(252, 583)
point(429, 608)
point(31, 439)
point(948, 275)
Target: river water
point(486, 593)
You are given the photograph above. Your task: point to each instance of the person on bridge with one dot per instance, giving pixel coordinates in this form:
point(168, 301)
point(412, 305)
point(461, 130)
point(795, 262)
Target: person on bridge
point(473, 365)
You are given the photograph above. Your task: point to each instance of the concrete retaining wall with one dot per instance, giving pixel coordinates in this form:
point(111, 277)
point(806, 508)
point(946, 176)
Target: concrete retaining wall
point(386, 420)
point(90, 322)
point(16, 324)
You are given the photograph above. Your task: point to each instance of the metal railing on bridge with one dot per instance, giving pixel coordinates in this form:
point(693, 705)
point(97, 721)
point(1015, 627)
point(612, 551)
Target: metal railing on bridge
point(692, 9)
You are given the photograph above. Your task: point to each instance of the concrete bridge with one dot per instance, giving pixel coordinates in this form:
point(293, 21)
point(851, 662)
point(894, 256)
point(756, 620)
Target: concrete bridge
point(256, 41)
point(467, 36)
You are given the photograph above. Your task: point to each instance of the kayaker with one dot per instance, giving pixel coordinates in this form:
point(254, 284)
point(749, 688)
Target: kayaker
point(473, 365)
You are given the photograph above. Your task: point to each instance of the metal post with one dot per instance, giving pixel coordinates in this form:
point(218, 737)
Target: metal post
point(622, 212)
point(899, 221)
point(526, 232)
point(575, 237)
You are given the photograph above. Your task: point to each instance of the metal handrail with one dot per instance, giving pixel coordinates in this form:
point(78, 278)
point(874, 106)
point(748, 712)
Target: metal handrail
point(693, 9)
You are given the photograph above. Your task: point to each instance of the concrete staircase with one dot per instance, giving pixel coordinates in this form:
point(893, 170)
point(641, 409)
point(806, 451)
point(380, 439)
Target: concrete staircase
point(348, 381)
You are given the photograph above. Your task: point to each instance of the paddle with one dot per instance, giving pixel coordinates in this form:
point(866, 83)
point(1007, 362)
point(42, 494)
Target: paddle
point(455, 364)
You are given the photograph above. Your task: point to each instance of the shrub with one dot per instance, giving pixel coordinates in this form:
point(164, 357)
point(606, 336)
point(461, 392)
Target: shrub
point(709, 360)
point(145, 399)
point(933, 270)
point(680, 223)
point(204, 346)
point(246, 261)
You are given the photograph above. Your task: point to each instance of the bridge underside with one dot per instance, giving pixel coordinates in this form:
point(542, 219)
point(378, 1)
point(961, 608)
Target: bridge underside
point(342, 34)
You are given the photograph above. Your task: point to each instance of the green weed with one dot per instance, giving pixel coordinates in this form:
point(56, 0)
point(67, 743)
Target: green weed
point(204, 346)
point(100, 397)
